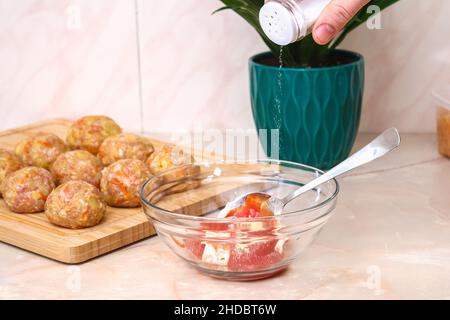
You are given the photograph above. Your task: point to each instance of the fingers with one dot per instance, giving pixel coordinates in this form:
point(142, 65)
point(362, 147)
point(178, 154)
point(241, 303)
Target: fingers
point(335, 16)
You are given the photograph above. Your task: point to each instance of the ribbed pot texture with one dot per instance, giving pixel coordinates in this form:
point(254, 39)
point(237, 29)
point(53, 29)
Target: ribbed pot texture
point(316, 110)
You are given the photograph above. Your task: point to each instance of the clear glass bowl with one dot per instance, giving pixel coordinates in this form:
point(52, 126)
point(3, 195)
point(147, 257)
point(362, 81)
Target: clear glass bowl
point(183, 203)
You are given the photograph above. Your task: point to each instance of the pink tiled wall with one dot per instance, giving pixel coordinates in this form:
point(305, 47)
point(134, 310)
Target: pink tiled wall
point(61, 58)
point(171, 65)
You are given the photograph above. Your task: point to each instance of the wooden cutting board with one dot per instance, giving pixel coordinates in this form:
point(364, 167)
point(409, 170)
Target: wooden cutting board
point(34, 233)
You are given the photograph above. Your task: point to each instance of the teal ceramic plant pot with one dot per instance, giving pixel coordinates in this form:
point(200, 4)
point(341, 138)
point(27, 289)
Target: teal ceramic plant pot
point(316, 110)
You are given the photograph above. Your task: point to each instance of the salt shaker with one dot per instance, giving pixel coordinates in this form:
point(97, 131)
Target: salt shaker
point(287, 21)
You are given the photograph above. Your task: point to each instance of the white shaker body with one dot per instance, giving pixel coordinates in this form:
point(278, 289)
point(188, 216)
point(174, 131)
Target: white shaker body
point(287, 21)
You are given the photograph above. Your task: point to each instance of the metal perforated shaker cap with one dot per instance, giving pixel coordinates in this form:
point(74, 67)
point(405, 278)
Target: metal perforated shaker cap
point(278, 23)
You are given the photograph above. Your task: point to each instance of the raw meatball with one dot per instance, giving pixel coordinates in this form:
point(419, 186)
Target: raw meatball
point(124, 146)
point(166, 157)
point(75, 204)
point(121, 182)
point(89, 132)
point(77, 165)
point(40, 150)
point(26, 190)
point(9, 163)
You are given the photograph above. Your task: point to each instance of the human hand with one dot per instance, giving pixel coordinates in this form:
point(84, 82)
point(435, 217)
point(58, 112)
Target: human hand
point(335, 16)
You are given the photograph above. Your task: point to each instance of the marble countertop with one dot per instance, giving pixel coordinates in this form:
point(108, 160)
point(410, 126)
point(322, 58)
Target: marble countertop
point(388, 239)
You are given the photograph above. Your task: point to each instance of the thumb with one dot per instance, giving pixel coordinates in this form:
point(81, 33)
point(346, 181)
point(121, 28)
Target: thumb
point(334, 17)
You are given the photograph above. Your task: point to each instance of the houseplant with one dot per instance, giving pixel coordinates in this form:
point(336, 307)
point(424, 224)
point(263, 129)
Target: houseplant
point(314, 99)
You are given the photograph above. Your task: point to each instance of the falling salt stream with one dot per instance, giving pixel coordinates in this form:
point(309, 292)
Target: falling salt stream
point(278, 97)
point(280, 58)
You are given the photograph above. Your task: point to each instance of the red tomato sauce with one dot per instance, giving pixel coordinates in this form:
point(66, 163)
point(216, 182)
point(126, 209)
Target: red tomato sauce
point(240, 257)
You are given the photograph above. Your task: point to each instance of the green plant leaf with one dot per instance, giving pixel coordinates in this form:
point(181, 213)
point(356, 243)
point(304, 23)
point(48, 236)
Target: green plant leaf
point(223, 8)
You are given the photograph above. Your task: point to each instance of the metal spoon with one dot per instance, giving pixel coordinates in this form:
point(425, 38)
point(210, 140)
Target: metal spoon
point(381, 145)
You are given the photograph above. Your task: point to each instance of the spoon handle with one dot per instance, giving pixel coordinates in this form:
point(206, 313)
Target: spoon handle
point(384, 143)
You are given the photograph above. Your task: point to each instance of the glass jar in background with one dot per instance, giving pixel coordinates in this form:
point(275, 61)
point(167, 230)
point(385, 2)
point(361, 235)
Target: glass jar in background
point(442, 100)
